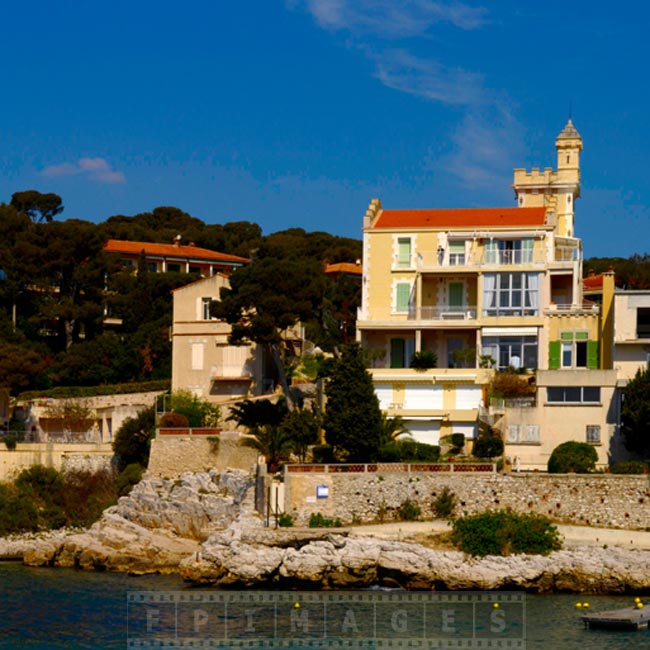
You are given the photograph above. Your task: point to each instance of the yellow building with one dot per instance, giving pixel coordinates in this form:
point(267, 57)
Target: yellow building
point(482, 289)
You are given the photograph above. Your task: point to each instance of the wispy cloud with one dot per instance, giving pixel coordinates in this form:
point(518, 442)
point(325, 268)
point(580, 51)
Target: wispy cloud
point(95, 169)
point(488, 136)
point(391, 18)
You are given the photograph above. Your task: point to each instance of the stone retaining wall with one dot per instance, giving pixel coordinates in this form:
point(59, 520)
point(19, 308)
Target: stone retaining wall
point(172, 456)
point(597, 500)
point(61, 456)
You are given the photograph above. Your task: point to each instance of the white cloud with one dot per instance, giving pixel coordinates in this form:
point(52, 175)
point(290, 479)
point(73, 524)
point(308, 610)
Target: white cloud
point(95, 169)
point(392, 18)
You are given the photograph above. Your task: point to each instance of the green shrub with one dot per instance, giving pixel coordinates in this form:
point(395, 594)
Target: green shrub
point(409, 510)
point(443, 505)
point(407, 450)
point(424, 360)
point(630, 467)
point(323, 454)
point(488, 447)
point(285, 520)
point(458, 440)
point(128, 477)
point(18, 514)
point(572, 456)
point(503, 532)
point(10, 442)
point(317, 520)
point(87, 494)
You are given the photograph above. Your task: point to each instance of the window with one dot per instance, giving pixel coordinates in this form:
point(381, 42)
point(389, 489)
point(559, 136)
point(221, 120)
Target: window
point(205, 308)
point(523, 434)
point(643, 323)
point(573, 351)
point(402, 297)
point(456, 253)
point(511, 351)
point(593, 434)
point(152, 266)
point(573, 394)
point(404, 252)
point(511, 294)
point(509, 251)
point(174, 267)
point(401, 351)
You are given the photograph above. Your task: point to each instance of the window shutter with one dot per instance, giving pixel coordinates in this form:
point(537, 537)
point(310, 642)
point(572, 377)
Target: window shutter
point(404, 252)
point(397, 353)
point(491, 251)
point(527, 246)
point(592, 354)
point(402, 296)
point(455, 294)
point(554, 353)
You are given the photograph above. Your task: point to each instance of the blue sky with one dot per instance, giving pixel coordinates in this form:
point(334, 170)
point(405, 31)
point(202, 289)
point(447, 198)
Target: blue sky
point(297, 112)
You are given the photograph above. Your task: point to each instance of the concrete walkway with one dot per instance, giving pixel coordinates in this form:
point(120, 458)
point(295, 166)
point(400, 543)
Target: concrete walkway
point(573, 535)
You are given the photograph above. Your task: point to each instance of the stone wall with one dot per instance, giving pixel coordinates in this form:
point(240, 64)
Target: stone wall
point(171, 456)
point(60, 456)
point(597, 500)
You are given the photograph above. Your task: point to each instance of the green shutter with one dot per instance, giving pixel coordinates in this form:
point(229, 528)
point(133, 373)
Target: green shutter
point(404, 252)
point(402, 296)
point(527, 246)
point(397, 353)
point(582, 336)
point(455, 294)
point(554, 354)
point(566, 336)
point(592, 354)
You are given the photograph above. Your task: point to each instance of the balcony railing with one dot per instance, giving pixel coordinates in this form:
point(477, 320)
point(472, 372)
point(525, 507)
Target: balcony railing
point(443, 312)
point(434, 259)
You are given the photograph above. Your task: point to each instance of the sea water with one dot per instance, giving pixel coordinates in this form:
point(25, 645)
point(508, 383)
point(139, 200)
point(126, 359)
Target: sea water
point(64, 608)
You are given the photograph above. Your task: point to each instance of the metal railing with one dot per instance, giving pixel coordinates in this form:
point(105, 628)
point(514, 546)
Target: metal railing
point(404, 468)
point(443, 312)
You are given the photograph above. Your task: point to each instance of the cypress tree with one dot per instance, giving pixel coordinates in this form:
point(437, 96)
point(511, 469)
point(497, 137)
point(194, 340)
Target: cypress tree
point(352, 422)
point(635, 414)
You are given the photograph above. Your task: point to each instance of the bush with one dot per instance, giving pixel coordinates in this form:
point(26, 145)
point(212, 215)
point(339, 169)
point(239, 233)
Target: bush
point(128, 477)
point(406, 450)
point(409, 510)
point(630, 467)
point(317, 520)
point(572, 456)
point(424, 360)
point(10, 442)
point(285, 520)
point(503, 532)
point(458, 440)
point(174, 421)
point(18, 514)
point(443, 505)
point(488, 447)
point(323, 454)
point(87, 494)
point(133, 439)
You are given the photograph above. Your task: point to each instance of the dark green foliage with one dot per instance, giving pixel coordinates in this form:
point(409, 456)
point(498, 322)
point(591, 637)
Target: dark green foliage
point(128, 477)
point(630, 467)
point(572, 456)
point(44, 487)
point(443, 504)
point(488, 447)
point(258, 413)
point(301, 427)
point(317, 520)
point(323, 454)
point(37, 206)
point(353, 423)
point(10, 442)
point(86, 495)
point(424, 360)
point(631, 273)
point(133, 439)
point(635, 414)
point(285, 520)
point(409, 510)
point(18, 514)
point(503, 532)
point(272, 442)
point(458, 440)
point(409, 451)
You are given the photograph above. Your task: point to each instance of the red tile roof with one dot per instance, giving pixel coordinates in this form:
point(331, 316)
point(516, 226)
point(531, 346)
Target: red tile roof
point(169, 250)
point(592, 282)
point(461, 218)
point(344, 267)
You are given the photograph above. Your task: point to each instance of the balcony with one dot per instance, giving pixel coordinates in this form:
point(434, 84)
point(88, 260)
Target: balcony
point(443, 313)
point(433, 261)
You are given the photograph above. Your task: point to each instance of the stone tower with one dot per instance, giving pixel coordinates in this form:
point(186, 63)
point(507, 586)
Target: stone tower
point(556, 190)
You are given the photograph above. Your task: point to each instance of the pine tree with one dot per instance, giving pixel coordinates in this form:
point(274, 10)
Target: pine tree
point(635, 414)
point(353, 423)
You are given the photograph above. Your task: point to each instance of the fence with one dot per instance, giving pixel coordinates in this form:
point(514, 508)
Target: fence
point(408, 468)
point(187, 431)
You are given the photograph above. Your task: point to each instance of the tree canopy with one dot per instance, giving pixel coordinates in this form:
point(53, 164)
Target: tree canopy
point(353, 422)
point(635, 414)
point(37, 206)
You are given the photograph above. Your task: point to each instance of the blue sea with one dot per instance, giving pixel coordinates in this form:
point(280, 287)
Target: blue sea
point(64, 608)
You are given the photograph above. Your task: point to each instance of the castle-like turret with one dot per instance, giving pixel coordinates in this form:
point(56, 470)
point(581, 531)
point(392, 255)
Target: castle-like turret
point(556, 190)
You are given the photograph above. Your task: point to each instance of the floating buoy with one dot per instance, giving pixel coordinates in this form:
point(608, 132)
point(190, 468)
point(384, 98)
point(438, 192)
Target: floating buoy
point(296, 605)
point(637, 600)
point(639, 605)
point(579, 605)
point(585, 605)
point(495, 605)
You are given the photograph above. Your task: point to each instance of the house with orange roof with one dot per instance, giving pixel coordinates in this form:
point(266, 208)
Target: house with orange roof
point(174, 257)
point(483, 290)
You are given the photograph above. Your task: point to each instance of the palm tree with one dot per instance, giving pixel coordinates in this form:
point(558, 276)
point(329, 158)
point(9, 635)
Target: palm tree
point(272, 442)
point(393, 429)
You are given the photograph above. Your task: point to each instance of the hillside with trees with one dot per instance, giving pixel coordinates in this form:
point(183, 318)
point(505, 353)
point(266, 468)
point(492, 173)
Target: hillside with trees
point(57, 285)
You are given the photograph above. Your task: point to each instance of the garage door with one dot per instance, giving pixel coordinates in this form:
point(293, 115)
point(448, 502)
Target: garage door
point(425, 431)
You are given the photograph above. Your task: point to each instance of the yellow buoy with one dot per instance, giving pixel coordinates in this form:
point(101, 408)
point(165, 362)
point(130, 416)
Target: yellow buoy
point(585, 605)
point(637, 600)
point(639, 605)
point(296, 605)
point(579, 605)
point(495, 605)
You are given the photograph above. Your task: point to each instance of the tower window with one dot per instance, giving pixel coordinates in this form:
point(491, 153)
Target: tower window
point(567, 160)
